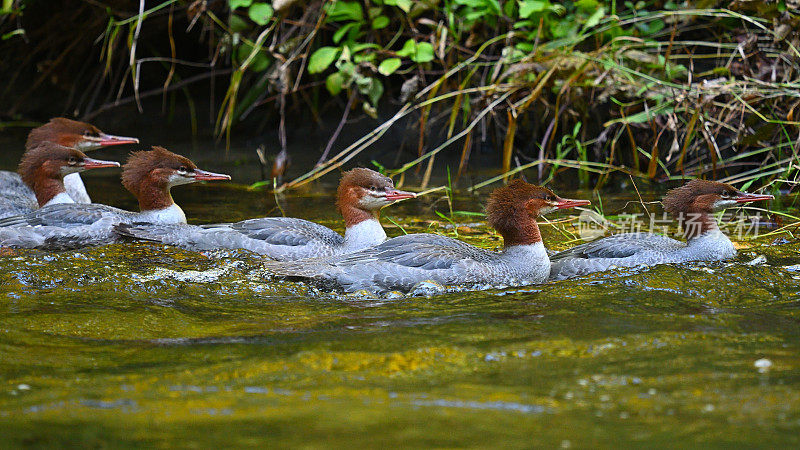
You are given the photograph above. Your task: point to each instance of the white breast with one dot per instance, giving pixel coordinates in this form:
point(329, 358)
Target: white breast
point(169, 215)
point(528, 263)
point(60, 198)
point(75, 188)
point(363, 235)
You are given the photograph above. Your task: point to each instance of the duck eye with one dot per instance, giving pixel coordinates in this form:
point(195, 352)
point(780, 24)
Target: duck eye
point(72, 160)
point(183, 169)
point(90, 133)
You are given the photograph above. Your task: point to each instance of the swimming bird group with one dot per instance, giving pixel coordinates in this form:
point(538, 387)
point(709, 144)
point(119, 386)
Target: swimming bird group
point(45, 206)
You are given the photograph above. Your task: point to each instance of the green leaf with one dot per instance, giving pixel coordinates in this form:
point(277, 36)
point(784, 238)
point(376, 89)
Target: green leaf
point(509, 8)
point(355, 48)
point(260, 13)
point(375, 91)
point(405, 5)
point(471, 3)
point(261, 184)
point(337, 37)
point(341, 11)
point(321, 59)
point(587, 5)
point(594, 19)
point(653, 27)
point(10, 34)
point(239, 3)
point(529, 7)
point(364, 57)
point(335, 83)
point(409, 48)
point(388, 66)
point(347, 69)
point(380, 22)
point(419, 53)
point(424, 53)
point(525, 47)
point(644, 116)
point(238, 24)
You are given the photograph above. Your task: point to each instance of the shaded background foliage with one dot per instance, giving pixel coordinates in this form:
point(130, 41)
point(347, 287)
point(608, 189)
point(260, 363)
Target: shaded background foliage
point(657, 89)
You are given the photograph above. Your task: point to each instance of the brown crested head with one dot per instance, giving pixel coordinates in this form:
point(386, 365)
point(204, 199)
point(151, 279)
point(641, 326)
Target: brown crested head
point(49, 161)
point(159, 167)
point(509, 204)
point(62, 131)
point(512, 210)
point(365, 191)
point(150, 174)
point(699, 196)
point(43, 168)
point(72, 133)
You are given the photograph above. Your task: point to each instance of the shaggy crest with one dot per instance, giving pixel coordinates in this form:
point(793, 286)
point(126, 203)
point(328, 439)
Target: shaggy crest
point(361, 177)
point(62, 131)
point(680, 200)
point(140, 164)
point(507, 203)
point(36, 158)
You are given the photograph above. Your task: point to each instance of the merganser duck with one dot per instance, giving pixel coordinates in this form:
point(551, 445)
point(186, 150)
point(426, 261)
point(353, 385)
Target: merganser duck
point(693, 204)
point(360, 196)
point(149, 175)
point(43, 168)
point(66, 133)
point(401, 263)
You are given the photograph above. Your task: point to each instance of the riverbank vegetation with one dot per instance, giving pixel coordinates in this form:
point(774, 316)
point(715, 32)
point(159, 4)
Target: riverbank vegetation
point(659, 90)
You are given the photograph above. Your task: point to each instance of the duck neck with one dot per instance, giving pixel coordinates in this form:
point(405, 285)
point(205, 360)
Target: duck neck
point(697, 223)
point(354, 216)
point(363, 229)
point(524, 231)
point(49, 189)
point(154, 196)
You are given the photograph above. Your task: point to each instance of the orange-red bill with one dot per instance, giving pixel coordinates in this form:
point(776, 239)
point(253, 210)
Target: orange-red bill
point(109, 139)
point(566, 203)
point(203, 175)
point(745, 197)
point(91, 163)
point(399, 195)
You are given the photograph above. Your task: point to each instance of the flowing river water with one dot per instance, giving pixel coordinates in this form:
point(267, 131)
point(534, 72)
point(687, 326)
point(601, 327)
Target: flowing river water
point(140, 344)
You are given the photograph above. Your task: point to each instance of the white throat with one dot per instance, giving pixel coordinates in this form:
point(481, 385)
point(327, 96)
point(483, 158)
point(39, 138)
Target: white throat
point(363, 235)
point(535, 251)
point(62, 197)
point(170, 215)
point(73, 183)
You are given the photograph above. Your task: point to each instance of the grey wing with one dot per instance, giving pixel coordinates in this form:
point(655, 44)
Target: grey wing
point(628, 249)
point(66, 215)
point(287, 231)
point(398, 263)
point(178, 234)
point(15, 196)
point(275, 237)
point(14, 205)
point(59, 238)
point(620, 246)
point(11, 182)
